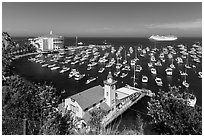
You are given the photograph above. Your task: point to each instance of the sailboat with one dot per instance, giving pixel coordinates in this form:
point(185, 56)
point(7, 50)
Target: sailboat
point(136, 58)
point(134, 82)
point(187, 65)
point(191, 100)
point(172, 64)
point(125, 61)
point(185, 82)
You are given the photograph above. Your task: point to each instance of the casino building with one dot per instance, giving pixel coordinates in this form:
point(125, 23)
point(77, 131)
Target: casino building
point(48, 42)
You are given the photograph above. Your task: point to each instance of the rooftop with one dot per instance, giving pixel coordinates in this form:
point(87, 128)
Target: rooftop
point(89, 97)
point(124, 92)
point(51, 35)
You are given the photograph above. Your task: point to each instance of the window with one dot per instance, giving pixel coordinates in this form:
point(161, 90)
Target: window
point(113, 101)
point(106, 93)
point(72, 108)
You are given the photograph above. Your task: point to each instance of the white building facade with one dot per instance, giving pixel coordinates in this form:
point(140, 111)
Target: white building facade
point(48, 42)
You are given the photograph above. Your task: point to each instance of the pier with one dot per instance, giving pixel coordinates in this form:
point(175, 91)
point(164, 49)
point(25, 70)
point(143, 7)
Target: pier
point(126, 103)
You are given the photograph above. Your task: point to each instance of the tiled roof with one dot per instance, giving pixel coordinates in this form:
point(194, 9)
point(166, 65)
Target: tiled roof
point(89, 97)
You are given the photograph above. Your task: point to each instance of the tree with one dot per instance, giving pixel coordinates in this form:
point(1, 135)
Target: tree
point(95, 122)
point(171, 115)
point(59, 125)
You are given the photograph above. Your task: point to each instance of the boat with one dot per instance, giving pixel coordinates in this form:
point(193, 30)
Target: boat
point(172, 66)
point(79, 76)
point(158, 63)
point(161, 56)
point(200, 74)
point(54, 68)
point(152, 58)
point(50, 66)
point(44, 65)
point(31, 59)
point(163, 38)
point(101, 70)
point(89, 68)
point(144, 79)
point(183, 73)
point(65, 69)
point(158, 81)
point(116, 73)
point(118, 66)
point(153, 71)
point(90, 80)
point(125, 61)
point(138, 68)
point(126, 68)
point(150, 64)
point(191, 100)
point(124, 75)
point(132, 62)
point(185, 84)
point(73, 73)
point(169, 71)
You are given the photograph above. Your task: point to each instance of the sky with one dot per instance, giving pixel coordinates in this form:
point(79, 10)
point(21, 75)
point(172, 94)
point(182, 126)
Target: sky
point(102, 19)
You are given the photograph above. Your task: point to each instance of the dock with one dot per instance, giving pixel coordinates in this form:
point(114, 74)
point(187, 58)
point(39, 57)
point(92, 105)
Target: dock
point(125, 104)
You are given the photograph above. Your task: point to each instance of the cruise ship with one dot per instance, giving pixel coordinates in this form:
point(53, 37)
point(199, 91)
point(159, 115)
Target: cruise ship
point(163, 38)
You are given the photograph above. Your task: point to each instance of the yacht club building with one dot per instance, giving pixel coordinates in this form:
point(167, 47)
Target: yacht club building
point(107, 98)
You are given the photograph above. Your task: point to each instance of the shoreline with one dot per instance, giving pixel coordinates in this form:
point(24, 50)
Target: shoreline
point(24, 55)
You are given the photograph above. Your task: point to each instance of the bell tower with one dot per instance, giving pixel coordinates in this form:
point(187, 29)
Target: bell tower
point(109, 90)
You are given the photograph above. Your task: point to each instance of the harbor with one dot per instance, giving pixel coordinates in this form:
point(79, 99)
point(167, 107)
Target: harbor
point(138, 66)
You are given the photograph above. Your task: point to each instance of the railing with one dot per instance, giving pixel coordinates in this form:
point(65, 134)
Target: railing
point(118, 111)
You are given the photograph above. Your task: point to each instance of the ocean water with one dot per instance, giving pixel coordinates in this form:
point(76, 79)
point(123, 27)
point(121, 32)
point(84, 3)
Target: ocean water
point(35, 73)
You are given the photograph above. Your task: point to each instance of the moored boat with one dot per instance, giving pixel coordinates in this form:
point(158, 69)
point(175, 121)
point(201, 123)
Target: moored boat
point(158, 81)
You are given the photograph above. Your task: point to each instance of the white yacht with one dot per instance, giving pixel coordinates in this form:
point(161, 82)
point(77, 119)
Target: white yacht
point(169, 71)
point(158, 81)
point(54, 68)
point(138, 68)
point(185, 84)
point(200, 74)
point(44, 65)
point(150, 64)
point(124, 75)
point(191, 100)
point(127, 67)
point(101, 70)
point(50, 66)
point(153, 71)
point(65, 69)
point(90, 80)
point(144, 79)
point(79, 76)
point(163, 38)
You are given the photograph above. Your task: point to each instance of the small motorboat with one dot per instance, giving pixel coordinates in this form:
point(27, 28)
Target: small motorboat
point(153, 71)
point(144, 79)
point(158, 81)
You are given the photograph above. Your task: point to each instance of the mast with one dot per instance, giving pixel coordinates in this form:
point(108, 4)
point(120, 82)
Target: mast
point(125, 55)
point(134, 77)
point(134, 70)
point(76, 41)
